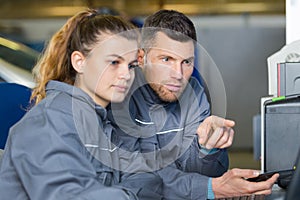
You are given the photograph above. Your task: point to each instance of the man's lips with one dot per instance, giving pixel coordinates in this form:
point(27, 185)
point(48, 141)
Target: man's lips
point(173, 87)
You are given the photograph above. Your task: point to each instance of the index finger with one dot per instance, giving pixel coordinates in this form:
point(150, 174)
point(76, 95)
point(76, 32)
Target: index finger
point(221, 122)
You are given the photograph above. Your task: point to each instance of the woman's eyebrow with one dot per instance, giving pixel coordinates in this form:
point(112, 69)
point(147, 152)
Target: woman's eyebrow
point(133, 61)
point(115, 55)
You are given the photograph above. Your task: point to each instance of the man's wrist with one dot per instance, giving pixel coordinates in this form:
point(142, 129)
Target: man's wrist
point(210, 192)
point(206, 151)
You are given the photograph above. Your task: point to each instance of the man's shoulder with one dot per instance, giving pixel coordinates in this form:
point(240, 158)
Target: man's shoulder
point(195, 84)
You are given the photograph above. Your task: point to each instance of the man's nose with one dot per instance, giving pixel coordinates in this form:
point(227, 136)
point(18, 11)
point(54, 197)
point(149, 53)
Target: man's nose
point(176, 70)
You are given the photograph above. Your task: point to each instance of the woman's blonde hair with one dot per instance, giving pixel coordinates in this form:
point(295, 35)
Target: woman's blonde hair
point(80, 33)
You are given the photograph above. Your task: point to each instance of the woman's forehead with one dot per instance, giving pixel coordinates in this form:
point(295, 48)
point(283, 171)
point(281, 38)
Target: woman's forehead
point(116, 44)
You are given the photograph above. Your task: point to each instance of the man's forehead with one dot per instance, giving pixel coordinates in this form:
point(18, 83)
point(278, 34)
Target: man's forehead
point(163, 43)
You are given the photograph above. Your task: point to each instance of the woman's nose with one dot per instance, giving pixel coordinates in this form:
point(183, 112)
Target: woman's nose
point(125, 72)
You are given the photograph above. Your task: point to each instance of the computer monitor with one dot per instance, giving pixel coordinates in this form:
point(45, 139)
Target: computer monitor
point(281, 134)
point(293, 191)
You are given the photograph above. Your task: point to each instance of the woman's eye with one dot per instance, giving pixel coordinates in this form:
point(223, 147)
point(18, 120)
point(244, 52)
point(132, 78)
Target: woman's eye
point(114, 62)
point(133, 65)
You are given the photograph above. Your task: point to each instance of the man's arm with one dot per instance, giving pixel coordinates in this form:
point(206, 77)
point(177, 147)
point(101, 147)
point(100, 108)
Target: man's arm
point(210, 164)
point(198, 122)
point(179, 185)
point(232, 184)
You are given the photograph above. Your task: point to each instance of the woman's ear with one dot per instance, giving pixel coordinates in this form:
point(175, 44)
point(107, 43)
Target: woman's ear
point(77, 60)
point(140, 59)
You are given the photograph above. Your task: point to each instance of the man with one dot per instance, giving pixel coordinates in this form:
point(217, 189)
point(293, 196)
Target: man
point(165, 125)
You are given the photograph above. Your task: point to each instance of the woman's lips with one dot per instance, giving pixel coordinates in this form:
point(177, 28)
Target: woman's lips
point(121, 88)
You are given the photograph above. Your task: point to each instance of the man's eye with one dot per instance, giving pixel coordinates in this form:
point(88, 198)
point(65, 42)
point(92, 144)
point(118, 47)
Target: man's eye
point(187, 63)
point(165, 59)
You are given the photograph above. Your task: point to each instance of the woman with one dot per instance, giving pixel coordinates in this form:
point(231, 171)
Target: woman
point(60, 149)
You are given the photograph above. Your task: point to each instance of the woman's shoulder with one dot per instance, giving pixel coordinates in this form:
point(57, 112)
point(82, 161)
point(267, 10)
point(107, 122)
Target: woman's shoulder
point(50, 114)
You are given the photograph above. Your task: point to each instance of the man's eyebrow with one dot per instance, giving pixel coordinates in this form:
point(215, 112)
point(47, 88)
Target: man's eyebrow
point(190, 58)
point(167, 54)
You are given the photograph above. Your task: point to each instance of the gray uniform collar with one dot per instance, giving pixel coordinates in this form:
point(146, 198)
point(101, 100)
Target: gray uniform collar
point(75, 92)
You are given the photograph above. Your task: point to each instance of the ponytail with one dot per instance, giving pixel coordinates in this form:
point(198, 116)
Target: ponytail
point(55, 63)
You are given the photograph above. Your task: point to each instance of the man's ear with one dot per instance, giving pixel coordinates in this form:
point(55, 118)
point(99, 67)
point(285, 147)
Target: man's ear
point(140, 59)
point(77, 60)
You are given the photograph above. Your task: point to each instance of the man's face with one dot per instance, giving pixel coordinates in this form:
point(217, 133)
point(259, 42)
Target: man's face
point(168, 66)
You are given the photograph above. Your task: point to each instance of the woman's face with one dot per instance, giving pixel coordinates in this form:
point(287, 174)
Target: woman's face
point(106, 73)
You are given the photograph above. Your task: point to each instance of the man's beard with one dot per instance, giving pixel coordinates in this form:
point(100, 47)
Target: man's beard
point(165, 94)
